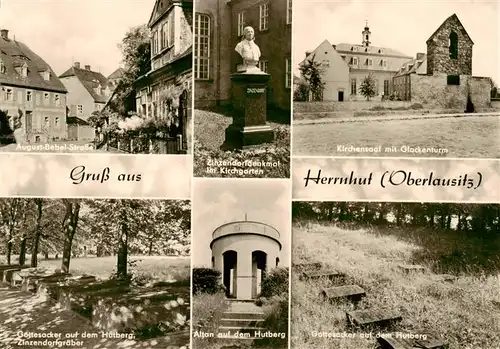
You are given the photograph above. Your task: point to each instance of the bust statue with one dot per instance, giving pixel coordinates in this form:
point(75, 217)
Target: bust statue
point(249, 51)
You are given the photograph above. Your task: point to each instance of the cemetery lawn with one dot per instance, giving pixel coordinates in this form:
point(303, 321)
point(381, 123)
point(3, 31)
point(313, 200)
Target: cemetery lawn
point(464, 313)
point(161, 268)
point(209, 131)
point(469, 136)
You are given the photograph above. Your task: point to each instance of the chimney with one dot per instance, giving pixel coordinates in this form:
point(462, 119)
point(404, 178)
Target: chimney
point(76, 65)
point(420, 56)
point(4, 33)
point(87, 67)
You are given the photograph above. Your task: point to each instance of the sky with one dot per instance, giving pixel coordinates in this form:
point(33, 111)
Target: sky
point(403, 25)
point(67, 31)
point(220, 201)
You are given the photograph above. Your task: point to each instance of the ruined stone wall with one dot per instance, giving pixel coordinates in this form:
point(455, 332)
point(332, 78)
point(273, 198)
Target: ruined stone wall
point(433, 92)
point(438, 51)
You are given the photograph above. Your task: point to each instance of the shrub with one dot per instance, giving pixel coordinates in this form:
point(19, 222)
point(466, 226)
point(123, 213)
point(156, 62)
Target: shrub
point(208, 310)
point(275, 283)
point(206, 280)
point(276, 320)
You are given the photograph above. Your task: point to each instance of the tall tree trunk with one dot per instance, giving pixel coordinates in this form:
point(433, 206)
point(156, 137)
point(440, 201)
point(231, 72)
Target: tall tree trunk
point(70, 223)
point(448, 222)
point(121, 260)
point(22, 251)
point(150, 250)
point(38, 232)
point(459, 223)
point(9, 245)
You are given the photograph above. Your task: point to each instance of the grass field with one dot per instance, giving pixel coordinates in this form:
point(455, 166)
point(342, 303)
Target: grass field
point(159, 268)
point(462, 137)
point(464, 313)
point(209, 130)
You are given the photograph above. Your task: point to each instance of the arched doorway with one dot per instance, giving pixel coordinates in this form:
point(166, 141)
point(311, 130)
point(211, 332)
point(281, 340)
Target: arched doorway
point(259, 267)
point(230, 272)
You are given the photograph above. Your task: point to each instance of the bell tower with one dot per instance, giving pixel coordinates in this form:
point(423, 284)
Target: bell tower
point(366, 35)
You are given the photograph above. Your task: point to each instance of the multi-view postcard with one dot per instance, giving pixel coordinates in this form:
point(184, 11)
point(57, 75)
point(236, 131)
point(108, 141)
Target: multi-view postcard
point(370, 81)
point(110, 77)
point(243, 88)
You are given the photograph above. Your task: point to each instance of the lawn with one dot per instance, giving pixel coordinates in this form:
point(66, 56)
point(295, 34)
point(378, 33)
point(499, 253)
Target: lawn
point(464, 313)
point(159, 268)
point(209, 130)
point(461, 137)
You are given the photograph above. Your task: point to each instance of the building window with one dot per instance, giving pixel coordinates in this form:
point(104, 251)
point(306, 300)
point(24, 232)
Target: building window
point(29, 96)
point(354, 61)
point(453, 80)
point(202, 47)
point(46, 98)
point(325, 63)
point(353, 87)
point(386, 87)
point(289, 12)
point(263, 66)
point(57, 99)
point(453, 45)
point(3, 69)
point(56, 122)
point(241, 23)
point(79, 108)
point(369, 62)
point(264, 17)
point(47, 122)
point(288, 70)
point(9, 96)
point(383, 63)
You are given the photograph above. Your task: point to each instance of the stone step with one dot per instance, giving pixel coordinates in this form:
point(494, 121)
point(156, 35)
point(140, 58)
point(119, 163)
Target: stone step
point(409, 268)
point(241, 322)
point(241, 315)
point(375, 317)
point(331, 275)
point(350, 292)
point(396, 340)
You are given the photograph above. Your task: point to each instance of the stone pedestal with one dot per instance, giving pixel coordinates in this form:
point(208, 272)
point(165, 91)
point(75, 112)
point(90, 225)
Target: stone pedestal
point(249, 97)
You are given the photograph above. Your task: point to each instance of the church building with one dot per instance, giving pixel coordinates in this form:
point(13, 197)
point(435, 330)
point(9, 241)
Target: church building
point(360, 60)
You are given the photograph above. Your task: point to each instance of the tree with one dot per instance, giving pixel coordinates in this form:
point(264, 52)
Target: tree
point(38, 231)
point(11, 211)
point(312, 72)
point(70, 223)
point(301, 93)
point(136, 49)
point(367, 88)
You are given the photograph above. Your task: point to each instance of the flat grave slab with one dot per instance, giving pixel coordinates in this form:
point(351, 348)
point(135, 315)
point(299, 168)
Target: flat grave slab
point(322, 274)
point(373, 317)
point(446, 277)
point(411, 268)
point(350, 292)
point(396, 341)
point(6, 273)
point(308, 266)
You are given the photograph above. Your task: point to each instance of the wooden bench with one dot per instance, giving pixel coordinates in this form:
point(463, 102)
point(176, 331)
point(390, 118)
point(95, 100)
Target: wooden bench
point(353, 293)
point(395, 340)
point(375, 317)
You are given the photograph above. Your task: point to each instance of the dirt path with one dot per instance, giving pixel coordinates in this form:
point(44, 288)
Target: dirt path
point(387, 118)
point(24, 314)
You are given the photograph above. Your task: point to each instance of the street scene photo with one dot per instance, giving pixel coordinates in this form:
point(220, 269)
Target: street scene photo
point(73, 83)
point(392, 275)
point(243, 84)
point(375, 83)
point(94, 274)
point(241, 253)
